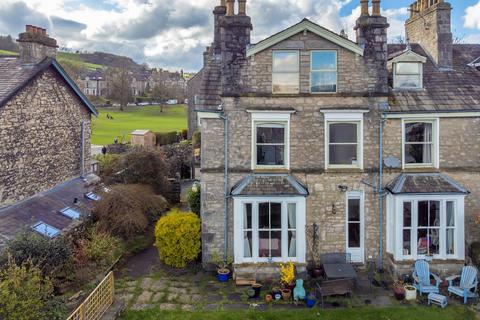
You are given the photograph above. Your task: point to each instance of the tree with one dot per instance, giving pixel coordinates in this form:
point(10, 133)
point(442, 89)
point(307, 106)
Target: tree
point(120, 85)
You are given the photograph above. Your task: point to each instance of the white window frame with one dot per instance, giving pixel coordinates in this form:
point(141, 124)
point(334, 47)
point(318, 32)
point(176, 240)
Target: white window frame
point(420, 75)
point(297, 52)
point(271, 118)
point(356, 252)
point(395, 226)
point(345, 116)
point(435, 143)
point(239, 203)
point(311, 71)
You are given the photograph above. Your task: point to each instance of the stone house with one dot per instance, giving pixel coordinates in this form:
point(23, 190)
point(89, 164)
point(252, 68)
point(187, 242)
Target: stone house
point(45, 121)
point(94, 83)
point(376, 146)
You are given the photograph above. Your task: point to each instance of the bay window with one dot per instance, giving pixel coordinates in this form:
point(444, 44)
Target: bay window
point(420, 143)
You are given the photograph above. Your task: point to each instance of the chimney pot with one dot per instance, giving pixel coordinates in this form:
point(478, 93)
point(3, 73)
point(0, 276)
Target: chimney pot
point(364, 7)
point(242, 7)
point(376, 7)
point(29, 28)
point(230, 7)
point(223, 3)
point(35, 45)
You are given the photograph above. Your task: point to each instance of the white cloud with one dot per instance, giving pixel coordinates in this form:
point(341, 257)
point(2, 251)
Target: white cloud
point(472, 17)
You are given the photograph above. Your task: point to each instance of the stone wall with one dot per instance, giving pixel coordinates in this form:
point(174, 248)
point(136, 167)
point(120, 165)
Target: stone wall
point(40, 135)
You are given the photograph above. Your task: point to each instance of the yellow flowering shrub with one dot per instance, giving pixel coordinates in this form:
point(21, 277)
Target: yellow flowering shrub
point(177, 237)
point(287, 273)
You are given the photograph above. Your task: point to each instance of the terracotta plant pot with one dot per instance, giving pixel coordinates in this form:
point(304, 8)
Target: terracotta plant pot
point(268, 298)
point(399, 293)
point(286, 294)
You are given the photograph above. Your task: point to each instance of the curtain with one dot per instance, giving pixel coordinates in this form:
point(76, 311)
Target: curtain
point(247, 252)
point(450, 227)
point(427, 148)
point(292, 224)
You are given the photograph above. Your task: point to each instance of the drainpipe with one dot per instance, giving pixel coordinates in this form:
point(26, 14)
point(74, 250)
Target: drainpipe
point(225, 201)
point(82, 151)
point(380, 190)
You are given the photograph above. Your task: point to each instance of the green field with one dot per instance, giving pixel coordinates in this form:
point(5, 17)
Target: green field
point(104, 131)
point(76, 60)
point(8, 53)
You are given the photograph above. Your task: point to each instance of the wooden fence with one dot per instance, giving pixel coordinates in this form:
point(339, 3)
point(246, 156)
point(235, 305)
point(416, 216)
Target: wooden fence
point(97, 302)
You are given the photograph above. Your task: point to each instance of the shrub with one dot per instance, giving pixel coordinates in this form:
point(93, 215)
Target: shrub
point(50, 255)
point(165, 138)
point(474, 252)
point(178, 238)
point(184, 134)
point(109, 164)
point(100, 247)
point(126, 210)
point(193, 198)
point(196, 139)
point(24, 293)
point(178, 158)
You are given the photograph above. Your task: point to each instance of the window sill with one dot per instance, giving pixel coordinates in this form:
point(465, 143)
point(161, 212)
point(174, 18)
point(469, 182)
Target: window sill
point(345, 169)
point(270, 170)
point(423, 169)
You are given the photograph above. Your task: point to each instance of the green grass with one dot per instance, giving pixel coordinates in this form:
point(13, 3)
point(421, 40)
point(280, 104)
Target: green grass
point(104, 131)
point(363, 313)
point(75, 59)
point(8, 53)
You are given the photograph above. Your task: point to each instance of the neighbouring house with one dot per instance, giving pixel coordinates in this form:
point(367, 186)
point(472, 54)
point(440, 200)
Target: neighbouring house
point(144, 138)
point(94, 83)
point(45, 130)
point(377, 145)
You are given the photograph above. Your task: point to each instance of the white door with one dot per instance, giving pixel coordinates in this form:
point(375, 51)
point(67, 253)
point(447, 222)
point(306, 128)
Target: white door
point(354, 226)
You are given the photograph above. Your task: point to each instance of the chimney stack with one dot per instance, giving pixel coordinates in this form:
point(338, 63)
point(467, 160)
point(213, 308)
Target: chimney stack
point(35, 45)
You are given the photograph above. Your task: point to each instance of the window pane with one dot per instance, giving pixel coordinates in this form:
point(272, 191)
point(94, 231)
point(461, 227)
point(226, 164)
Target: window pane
point(323, 81)
point(353, 235)
point(406, 242)
point(263, 243)
point(270, 155)
point(450, 241)
point(407, 81)
point(247, 218)
point(408, 68)
point(343, 154)
point(434, 220)
point(450, 214)
point(276, 244)
point(407, 214)
point(292, 244)
point(343, 132)
point(422, 247)
point(270, 133)
point(247, 244)
point(264, 215)
point(275, 215)
point(418, 153)
point(418, 132)
point(354, 210)
point(434, 241)
point(285, 82)
point(324, 60)
point(422, 213)
point(285, 61)
point(292, 216)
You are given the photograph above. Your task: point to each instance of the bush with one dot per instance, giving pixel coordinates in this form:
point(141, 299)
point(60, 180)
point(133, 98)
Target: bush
point(108, 164)
point(126, 210)
point(196, 139)
point(184, 134)
point(193, 198)
point(25, 294)
point(178, 238)
point(100, 247)
point(474, 252)
point(50, 255)
point(165, 138)
point(178, 158)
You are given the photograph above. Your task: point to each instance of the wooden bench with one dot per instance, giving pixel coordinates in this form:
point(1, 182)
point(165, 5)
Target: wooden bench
point(333, 287)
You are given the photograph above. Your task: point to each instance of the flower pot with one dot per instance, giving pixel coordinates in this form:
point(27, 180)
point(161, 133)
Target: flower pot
point(276, 291)
point(251, 293)
point(223, 275)
point(317, 273)
point(410, 293)
point(278, 296)
point(399, 293)
point(268, 298)
point(257, 288)
point(310, 301)
point(286, 294)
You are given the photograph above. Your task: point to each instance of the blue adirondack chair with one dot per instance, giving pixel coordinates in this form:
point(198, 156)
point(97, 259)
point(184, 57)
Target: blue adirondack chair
point(468, 284)
point(421, 276)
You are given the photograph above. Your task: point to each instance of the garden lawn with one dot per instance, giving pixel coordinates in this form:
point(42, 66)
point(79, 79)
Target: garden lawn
point(363, 313)
point(104, 131)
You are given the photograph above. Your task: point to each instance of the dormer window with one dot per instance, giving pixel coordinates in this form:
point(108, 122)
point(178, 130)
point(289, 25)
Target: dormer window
point(407, 75)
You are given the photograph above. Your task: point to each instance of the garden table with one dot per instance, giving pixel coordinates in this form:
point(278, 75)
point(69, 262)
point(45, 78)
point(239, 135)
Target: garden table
point(339, 271)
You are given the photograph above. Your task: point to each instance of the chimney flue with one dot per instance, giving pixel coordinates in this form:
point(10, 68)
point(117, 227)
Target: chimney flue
point(230, 7)
point(242, 7)
point(376, 8)
point(364, 7)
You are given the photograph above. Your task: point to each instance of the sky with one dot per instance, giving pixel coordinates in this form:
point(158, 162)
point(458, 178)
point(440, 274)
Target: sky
point(173, 33)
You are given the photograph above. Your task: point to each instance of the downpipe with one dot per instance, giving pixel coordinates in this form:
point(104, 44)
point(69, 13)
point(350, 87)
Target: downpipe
point(82, 151)
point(225, 177)
point(381, 190)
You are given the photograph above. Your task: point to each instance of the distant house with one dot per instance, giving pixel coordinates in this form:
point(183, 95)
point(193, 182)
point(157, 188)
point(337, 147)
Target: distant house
point(94, 83)
point(45, 129)
point(144, 138)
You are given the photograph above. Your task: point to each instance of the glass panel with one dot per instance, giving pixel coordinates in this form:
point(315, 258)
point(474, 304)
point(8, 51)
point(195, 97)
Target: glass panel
point(46, 230)
point(292, 244)
point(423, 213)
point(270, 155)
point(434, 219)
point(407, 214)
point(418, 132)
point(434, 241)
point(275, 215)
point(408, 68)
point(276, 244)
point(422, 246)
point(292, 216)
point(264, 215)
point(406, 242)
point(247, 244)
point(285, 82)
point(418, 153)
point(263, 243)
point(343, 154)
point(450, 241)
point(271, 133)
point(343, 132)
point(284, 61)
point(407, 81)
point(353, 235)
point(71, 213)
point(354, 210)
point(324, 82)
point(247, 224)
point(450, 214)
point(324, 60)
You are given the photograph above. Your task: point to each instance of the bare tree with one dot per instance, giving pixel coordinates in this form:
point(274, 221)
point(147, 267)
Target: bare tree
point(120, 85)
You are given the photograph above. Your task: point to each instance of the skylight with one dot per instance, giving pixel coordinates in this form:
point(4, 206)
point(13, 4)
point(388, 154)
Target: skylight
point(71, 213)
point(92, 196)
point(46, 229)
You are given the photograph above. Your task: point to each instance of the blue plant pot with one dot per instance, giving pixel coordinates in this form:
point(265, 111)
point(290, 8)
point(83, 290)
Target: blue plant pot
point(310, 301)
point(223, 277)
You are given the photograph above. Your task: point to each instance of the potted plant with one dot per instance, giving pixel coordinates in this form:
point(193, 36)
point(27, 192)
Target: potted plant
point(399, 290)
point(287, 275)
point(310, 300)
point(268, 298)
point(410, 292)
point(286, 294)
point(223, 270)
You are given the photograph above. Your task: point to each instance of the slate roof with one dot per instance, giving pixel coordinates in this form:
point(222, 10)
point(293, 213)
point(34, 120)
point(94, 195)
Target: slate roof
point(44, 207)
point(425, 183)
point(269, 185)
point(14, 77)
point(444, 90)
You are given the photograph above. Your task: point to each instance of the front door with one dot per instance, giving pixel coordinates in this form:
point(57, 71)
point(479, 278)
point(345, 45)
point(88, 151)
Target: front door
point(354, 228)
